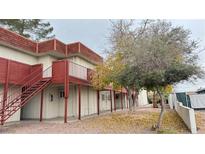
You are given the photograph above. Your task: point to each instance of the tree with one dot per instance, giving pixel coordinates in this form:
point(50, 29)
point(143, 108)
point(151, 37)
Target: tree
point(157, 53)
point(35, 29)
point(128, 79)
point(105, 73)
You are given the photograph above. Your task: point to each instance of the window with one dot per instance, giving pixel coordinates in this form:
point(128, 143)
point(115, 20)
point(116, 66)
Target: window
point(108, 97)
point(51, 97)
point(117, 96)
point(103, 97)
point(62, 94)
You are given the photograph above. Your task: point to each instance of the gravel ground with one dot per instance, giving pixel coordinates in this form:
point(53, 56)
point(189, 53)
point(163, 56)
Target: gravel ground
point(120, 122)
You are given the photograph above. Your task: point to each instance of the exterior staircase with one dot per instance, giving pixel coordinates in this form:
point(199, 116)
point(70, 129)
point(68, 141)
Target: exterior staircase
point(31, 88)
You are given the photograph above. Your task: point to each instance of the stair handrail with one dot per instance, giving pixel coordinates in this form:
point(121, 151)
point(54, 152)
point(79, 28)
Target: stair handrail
point(18, 95)
point(11, 113)
point(25, 84)
point(8, 105)
point(74, 64)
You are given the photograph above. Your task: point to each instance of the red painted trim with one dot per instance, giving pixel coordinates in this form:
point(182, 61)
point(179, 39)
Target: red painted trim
point(54, 44)
point(75, 80)
point(18, 71)
point(66, 50)
point(79, 47)
point(15, 40)
point(114, 101)
point(111, 100)
point(66, 90)
point(66, 110)
point(6, 86)
point(36, 47)
point(41, 106)
point(79, 102)
point(98, 102)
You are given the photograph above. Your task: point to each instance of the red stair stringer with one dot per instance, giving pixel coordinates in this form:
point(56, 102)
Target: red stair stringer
point(22, 99)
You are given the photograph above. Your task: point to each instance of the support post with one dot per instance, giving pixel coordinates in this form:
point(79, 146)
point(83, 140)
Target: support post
point(6, 86)
point(98, 102)
point(66, 91)
point(127, 100)
point(121, 100)
point(111, 100)
point(41, 107)
point(114, 100)
point(79, 102)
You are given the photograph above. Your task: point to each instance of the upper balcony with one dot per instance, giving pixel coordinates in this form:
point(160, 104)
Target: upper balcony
point(76, 73)
point(16, 71)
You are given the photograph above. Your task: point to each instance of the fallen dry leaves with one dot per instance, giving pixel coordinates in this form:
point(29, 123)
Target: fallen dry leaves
point(121, 122)
point(137, 122)
point(200, 121)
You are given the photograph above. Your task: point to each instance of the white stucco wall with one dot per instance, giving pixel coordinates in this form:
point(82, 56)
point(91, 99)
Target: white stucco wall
point(92, 101)
point(32, 109)
point(50, 108)
point(105, 103)
point(125, 101)
point(88, 101)
point(84, 101)
point(72, 102)
point(15, 116)
point(46, 61)
point(118, 101)
point(142, 98)
point(82, 62)
point(19, 56)
point(56, 108)
point(12, 54)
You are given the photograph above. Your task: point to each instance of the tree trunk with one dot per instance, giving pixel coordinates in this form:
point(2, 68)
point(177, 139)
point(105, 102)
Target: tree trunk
point(136, 103)
point(154, 100)
point(21, 32)
point(130, 100)
point(162, 109)
point(133, 101)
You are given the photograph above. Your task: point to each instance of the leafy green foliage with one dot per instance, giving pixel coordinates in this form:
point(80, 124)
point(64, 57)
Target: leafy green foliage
point(156, 53)
point(105, 74)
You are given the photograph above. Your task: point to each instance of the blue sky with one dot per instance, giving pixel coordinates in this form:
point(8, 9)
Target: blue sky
point(94, 33)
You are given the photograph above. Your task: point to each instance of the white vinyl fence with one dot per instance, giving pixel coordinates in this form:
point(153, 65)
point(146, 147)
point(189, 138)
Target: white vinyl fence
point(186, 113)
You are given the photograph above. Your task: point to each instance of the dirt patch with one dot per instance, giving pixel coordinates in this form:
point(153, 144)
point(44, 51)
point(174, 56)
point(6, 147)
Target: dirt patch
point(200, 121)
point(123, 122)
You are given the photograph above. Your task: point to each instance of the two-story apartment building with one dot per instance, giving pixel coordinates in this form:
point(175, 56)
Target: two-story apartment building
point(50, 79)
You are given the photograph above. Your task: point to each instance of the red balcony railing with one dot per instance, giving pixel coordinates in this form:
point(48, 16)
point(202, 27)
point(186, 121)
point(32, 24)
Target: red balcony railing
point(75, 71)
